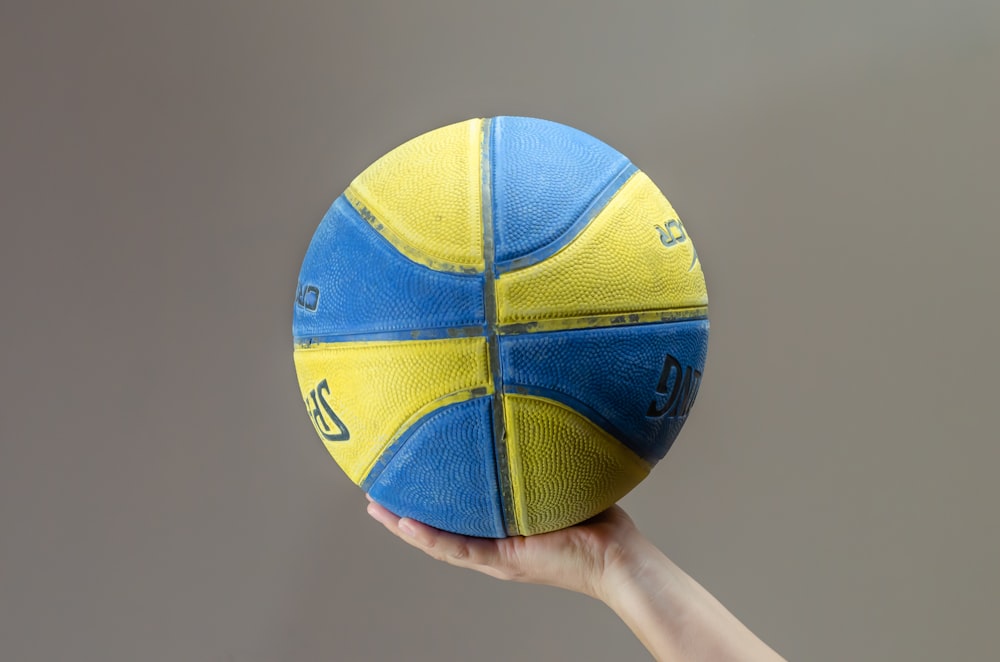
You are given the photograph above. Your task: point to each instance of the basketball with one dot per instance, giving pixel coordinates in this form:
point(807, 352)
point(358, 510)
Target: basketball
point(500, 327)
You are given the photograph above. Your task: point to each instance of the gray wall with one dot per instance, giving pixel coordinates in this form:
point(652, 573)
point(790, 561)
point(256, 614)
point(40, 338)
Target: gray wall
point(162, 493)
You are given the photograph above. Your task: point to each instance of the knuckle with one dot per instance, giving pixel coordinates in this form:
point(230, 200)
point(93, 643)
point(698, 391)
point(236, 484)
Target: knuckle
point(459, 553)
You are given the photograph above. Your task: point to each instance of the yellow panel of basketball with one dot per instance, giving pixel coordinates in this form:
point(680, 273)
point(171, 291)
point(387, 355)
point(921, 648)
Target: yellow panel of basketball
point(382, 388)
point(635, 256)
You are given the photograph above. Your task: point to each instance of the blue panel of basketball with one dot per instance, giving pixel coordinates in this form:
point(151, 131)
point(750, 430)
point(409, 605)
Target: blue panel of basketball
point(443, 472)
point(344, 254)
point(635, 381)
point(545, 176)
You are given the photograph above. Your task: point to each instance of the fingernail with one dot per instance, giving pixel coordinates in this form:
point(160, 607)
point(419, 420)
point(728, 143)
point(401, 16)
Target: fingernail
point(369, 497)
point(407, 528)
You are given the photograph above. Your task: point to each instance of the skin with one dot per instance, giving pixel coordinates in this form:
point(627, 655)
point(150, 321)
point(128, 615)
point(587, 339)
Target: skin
point(608, 559)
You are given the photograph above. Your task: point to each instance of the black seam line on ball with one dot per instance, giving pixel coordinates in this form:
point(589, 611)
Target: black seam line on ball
point(583, 322)
point(395, 335)
point(501, 457)
point(487, 137)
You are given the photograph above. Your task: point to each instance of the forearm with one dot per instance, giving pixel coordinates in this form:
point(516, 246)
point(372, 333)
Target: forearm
point(673, 615)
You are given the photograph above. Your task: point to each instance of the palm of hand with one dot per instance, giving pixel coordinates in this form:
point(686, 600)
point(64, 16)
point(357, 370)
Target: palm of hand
point(574, 558)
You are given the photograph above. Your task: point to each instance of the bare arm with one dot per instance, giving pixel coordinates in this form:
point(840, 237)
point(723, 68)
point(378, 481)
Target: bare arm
point(608, 559)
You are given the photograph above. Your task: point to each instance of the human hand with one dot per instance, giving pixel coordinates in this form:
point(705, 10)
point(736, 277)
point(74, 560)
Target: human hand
point(606, 558)
point(580, 558)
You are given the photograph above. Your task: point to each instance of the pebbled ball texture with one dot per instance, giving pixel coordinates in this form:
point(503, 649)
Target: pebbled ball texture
point(500, 327)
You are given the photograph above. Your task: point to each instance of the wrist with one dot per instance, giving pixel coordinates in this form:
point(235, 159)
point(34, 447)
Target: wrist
point(671, 613)
point(635, 566)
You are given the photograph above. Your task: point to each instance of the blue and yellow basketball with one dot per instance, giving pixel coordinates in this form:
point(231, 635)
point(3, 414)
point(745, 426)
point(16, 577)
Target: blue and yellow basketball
point(500, 327)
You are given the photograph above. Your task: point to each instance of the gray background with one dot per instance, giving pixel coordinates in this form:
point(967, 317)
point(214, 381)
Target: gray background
point(162, 493)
